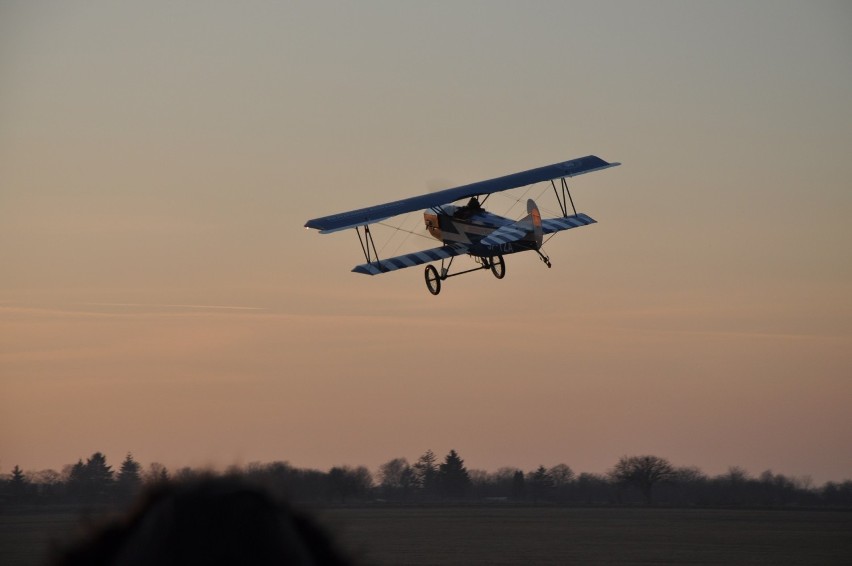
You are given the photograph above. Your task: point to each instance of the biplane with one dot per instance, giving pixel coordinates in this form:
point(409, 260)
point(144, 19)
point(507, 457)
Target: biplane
point(468, 228)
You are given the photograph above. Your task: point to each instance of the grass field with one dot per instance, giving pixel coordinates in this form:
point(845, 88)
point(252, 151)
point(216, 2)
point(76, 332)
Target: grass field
point(531, 535)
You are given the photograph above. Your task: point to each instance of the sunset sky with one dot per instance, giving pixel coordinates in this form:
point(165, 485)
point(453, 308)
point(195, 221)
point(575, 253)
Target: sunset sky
point(159, 294)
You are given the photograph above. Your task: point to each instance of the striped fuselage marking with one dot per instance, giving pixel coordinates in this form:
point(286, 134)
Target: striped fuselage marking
point(472, 230)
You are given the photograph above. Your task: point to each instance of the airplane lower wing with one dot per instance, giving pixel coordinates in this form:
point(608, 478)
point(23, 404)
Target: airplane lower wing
point(552, 225)
point(410, 260)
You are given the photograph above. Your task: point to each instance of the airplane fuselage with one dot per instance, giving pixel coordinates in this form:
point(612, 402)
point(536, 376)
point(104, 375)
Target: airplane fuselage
point(470, 225)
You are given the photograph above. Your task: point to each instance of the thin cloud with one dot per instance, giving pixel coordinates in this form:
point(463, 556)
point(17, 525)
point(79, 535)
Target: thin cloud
point(119, 310)
point(171, 306)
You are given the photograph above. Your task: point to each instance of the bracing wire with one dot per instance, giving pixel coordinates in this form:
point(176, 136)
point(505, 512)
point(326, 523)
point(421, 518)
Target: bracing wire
point(548, 211)
point(515, 202)
point(396, 229)
point(401, 229)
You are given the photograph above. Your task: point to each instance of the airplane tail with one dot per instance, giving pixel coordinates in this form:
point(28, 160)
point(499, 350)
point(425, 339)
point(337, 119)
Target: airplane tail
point(531, 225)
point(528, 230)
point(534, 217)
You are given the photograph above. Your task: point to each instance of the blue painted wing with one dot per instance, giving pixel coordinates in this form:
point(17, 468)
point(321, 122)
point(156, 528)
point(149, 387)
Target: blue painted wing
point(410, 260)
point(372, 214)
point(551, 225)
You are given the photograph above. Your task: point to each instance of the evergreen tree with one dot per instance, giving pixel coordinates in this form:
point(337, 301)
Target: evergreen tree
point(129, 471)
point(18, 476)
point(426, 474)
point(98, 476)
point(518, 485)
point(541, 483)
point(77, 473)
point(76, 479)
point(17, 484)
point(129, 477)
point(453, 478)
point(97, 469)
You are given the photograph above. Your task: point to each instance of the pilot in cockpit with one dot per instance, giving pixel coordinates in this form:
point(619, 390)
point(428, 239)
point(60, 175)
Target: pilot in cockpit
point(468, 210)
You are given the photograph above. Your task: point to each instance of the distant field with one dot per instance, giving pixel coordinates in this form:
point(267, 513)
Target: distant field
point(532, 535)
point(604, 536)
point(26, 537)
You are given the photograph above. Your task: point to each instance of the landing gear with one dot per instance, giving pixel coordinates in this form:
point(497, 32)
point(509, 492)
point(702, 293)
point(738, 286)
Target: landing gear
point(434, 277)
point(497, 265)
point(544, 258)
point(433, 280)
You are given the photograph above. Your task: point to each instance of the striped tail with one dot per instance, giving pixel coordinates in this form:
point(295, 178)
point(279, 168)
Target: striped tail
point(527, 229)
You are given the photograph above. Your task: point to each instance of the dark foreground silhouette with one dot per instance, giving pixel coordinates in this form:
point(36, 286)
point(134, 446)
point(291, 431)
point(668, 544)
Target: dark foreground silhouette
point(211, 521)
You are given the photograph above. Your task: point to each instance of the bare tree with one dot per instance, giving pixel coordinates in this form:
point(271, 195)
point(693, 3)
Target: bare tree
point(392, 472)
point(643, 472)
point(561, 474)
point(345, 482)
point(397, 478)
point(45, 477)
point(563, 480)
point(689, 474)
point(737, 475)
point(502, 480)
point(157, 473)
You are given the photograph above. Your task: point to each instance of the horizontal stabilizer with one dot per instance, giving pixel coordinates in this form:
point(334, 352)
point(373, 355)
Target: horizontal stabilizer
point(528, 228)
point(504, 235)
point(410, 260)
point(552, 225)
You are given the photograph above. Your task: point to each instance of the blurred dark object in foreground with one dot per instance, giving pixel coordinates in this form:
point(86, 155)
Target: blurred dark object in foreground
point(210, 521)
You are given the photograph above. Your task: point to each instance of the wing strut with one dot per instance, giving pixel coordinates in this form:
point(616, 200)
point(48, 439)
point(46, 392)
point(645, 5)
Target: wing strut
point(563, 201)
point(368, 246)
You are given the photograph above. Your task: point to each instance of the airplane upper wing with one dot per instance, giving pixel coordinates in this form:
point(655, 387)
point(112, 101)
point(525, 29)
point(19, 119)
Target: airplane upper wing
point(410, 260)
point(381, 212)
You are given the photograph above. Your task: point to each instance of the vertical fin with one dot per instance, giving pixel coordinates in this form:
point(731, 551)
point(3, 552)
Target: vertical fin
point(535, 216)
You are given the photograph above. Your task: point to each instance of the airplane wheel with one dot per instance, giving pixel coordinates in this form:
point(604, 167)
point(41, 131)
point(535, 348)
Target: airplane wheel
point(433, 281)
point(498, 266)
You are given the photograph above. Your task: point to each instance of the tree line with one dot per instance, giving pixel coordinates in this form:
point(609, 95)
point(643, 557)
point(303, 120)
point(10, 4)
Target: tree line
point(633, 480)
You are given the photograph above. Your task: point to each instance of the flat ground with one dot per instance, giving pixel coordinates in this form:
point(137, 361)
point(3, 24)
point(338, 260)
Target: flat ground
point(529, 535)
